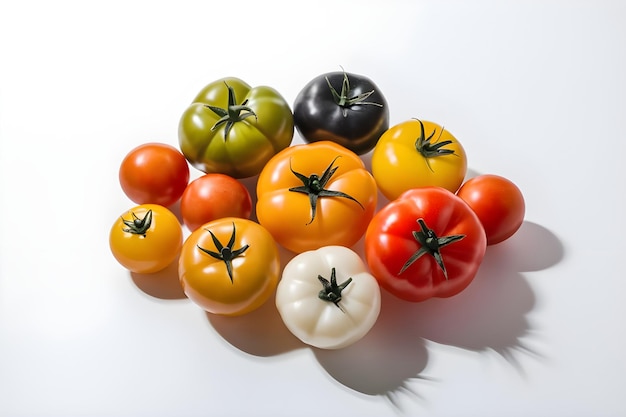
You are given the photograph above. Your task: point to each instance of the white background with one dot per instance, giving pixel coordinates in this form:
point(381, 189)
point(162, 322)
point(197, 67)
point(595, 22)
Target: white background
point(536, 92)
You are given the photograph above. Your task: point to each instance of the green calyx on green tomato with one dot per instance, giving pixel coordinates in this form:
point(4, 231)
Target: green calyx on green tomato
point(234, 129)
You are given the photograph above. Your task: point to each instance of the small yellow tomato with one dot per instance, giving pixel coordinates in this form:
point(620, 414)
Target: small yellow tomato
point(416, 154)
point(146, 239)
point(229, 266)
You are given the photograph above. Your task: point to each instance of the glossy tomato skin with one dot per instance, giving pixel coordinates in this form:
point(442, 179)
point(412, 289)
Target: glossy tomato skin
point(357, 127)
point(214, 196)
point(207, 281)
point(154, 173)
point(390, 244)
point(288, 214)
point(318, 321)
point(397, 165)
point(249, 143)
point(153, 250)
point(499, 204)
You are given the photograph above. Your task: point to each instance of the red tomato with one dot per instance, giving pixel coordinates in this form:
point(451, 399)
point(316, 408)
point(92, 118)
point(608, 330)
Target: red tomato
point(499, 204)
point(154, 173)
point(426, 243)
point(212, 197)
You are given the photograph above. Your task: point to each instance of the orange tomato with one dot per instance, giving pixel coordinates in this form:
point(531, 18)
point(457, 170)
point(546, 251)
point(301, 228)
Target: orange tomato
point(146, 239)
point(229, 266)
point(315, 195)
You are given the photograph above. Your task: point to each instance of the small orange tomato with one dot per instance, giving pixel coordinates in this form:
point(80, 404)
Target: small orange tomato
point(154, 173)
point(146, 239)
point(316, 194)
point(229, 266)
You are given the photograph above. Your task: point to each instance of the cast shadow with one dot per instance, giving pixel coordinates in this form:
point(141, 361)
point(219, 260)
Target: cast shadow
point(164, 284)
point(384, 362)
point(260, 332)
point(489, 315)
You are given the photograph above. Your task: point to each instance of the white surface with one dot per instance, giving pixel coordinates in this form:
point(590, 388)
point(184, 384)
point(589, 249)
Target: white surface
point(536, 91)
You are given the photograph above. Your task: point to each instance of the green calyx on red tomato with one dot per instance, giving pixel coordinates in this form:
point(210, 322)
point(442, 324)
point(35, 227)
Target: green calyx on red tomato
point(431, 244)
point(344, 108)
point(234, 129)
point(450, 233)
point(313, 186)
point(226, 253)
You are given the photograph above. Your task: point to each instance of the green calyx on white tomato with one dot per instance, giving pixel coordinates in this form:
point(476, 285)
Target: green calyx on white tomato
point(327, 298)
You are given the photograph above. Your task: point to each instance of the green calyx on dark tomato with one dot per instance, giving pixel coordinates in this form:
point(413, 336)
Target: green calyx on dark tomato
point(431, 245)
point(345, 108)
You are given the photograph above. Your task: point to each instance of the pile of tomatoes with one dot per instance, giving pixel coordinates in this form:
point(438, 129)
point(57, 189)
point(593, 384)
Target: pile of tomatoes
point(316, 200)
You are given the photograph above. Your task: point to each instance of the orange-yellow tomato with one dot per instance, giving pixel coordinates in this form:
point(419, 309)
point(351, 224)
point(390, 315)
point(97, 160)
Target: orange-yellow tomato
point(416, 154)
point(229, 266)
point(146, 238)
point(316, 194)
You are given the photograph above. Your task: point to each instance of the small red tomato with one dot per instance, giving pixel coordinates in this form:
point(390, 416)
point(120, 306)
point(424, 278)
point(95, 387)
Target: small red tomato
point(499, 204)
point(212, 197)
point(154, 173)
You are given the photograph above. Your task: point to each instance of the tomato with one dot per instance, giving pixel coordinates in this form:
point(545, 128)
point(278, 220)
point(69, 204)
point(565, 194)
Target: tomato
point(348, 109)
point(499, 204)
point(327, 298)
point(154, 173)
point(213, 196)
point(417, 153)
point(146, 238)
point(426, 243)
point(234, 129)
point(229, 266)
point(315, 194)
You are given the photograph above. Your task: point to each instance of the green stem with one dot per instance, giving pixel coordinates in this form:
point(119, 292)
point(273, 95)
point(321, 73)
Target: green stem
point(232, 114)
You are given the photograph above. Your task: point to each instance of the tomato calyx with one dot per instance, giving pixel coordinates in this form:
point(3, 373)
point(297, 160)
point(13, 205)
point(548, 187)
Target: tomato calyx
point(344, 101)
point(314, 185)
point(332, 291)
point(138, 226)
point(232, 114)
point(427, 148)
point(431, 245)
point(226, 252)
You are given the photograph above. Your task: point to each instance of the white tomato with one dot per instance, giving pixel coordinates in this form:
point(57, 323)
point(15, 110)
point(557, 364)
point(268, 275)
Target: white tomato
point(327, 298)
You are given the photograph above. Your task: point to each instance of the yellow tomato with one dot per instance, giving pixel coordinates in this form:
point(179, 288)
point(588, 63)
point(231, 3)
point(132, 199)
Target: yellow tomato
point(416, 154)
point(146, 239)
point(229, 266)
point(316, 194)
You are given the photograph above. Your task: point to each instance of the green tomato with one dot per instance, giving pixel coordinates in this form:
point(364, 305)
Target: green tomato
point(234, 129)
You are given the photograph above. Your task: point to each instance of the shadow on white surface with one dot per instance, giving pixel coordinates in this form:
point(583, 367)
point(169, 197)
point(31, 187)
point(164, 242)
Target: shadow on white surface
point(164, 284)
point(489, 315)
